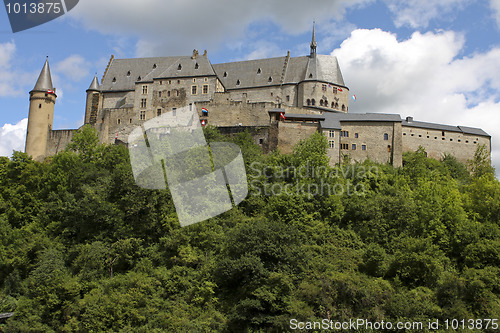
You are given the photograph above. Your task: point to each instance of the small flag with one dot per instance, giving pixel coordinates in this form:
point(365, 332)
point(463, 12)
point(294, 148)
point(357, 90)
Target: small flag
point(339, 89)
point(203, 122)
point(204, 110)
point(282, 115)
point(116, 137)
point(50, 91)
point(354, 97)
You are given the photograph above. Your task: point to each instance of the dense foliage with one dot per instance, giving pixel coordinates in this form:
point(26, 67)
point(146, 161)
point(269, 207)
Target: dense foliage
point(82, 248)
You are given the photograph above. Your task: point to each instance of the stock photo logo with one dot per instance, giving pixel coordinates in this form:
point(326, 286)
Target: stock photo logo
point(26, 14)
point(204, 180)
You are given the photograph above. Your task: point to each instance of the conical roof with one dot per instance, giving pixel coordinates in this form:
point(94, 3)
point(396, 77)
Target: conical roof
point(44, 82)
point(94, 86)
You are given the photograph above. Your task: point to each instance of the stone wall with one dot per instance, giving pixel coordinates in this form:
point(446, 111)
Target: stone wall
point(58, 140)
point(290, 133)
point(437, 143)
point(319, 91)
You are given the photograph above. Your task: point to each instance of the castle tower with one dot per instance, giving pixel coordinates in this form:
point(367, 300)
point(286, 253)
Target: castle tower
point(41, 114)
point(313, 42)
point(92, 105)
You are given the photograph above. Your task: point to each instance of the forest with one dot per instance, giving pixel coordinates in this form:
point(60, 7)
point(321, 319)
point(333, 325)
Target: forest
point(84, 249)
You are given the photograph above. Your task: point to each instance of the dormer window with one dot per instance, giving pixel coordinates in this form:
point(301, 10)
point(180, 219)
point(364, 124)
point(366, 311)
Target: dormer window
point(154, 66)
point(179, 67)
point(139, 78)
point(270, 79)
point(259, 71)
point(310, 76)
point(196, 66)
point(128, 73)
point(238, 82)
point(114, 80)
point(225, 74)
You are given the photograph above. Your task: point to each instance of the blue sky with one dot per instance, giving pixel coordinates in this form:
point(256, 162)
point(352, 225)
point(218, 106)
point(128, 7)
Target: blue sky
point(436, 61)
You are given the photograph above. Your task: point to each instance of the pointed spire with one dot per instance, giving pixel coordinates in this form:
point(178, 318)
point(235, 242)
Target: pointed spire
point(313, 41)
point(44, 82)
point(94, 86)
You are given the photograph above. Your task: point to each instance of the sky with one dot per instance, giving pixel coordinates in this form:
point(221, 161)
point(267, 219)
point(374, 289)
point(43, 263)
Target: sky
point(438, 61)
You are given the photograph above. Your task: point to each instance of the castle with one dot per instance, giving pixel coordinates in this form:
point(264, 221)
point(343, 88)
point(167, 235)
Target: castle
point(278, 100)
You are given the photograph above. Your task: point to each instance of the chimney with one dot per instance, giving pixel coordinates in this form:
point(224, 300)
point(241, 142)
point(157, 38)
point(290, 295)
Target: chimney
point(409, 119)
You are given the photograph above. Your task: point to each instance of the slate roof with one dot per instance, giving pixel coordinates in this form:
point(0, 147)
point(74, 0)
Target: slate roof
point(333, 120)
point(44, 81)
point(247, 74)
point(122, 74)
point(94, 86)
point(449, 128)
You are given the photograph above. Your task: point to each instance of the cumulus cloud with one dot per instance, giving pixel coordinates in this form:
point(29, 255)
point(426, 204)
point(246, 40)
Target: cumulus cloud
point(74, 67)
point(13, 137)
point(423, 77)
point(495, 5)
point(418, 13)
point(179, 26)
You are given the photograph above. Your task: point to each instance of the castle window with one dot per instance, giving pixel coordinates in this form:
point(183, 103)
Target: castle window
point(326, 102)
point(344, 146)
point(270, 79)
point(168, 93)
point(225, 74)
point(158, 112)
point(420, 135)
point(344, 134)
point(144, 90)
point(466, 141)
point(343, 107)
point(174, 112)
point(435, 137)
point(404, 133)
point(313, 102)
point(308, 102)
point(356, 135)
point(259, 71)
point(130, 121)
point(334, 90)
point(179, 67)
point(177, 93)
point(114, 80)
point(205, 89)
point(310, 76)
point(169, 81)
point(118, 121)
point(323, 87)
point(321, 102)
point(194, 80)
point(331, 134)
point(475, 142)
point(143, 103)
point(451, 139)
point(39, 106)
point(159, 93)
point(443, 139)
point(412, 134)
point(353, 146)
point(363, 147)
point(196, 66)
point(154, 66)
point(142, 115)
point(128, 73)
point(336, 105)
point(427, 136)
point(442, 133)
point(238, 82)
point(386, 136)
point(388, 148)
point(459, 140)
point(161, 82)
point(194, 90)
point(139, 78)
point(205, 79)
point(331, 144)
point(288, 98)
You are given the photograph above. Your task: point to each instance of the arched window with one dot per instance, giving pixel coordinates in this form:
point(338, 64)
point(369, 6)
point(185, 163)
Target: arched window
point(196, 66)
point(154, 66)
point(310, 76)
point(179, 67)
point(128, 73)
point(270, 79)
point(388, 148)
point(336, 105)
point(225, 74)
point(238, 82)
point(114, 80)
point(333, 105)
point(326, 102)
point(313, 102)
point(259, 71)
point(308, 102)
point(386, 136)
point(321, 102)
point(343, 107)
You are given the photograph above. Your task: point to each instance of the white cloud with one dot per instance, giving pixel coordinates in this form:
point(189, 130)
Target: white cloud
point(422, 77)
point(13, 137)
point(74, 67)
point(178, 26)
point(12, 81)
point(495, 5)
point(418, 13)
